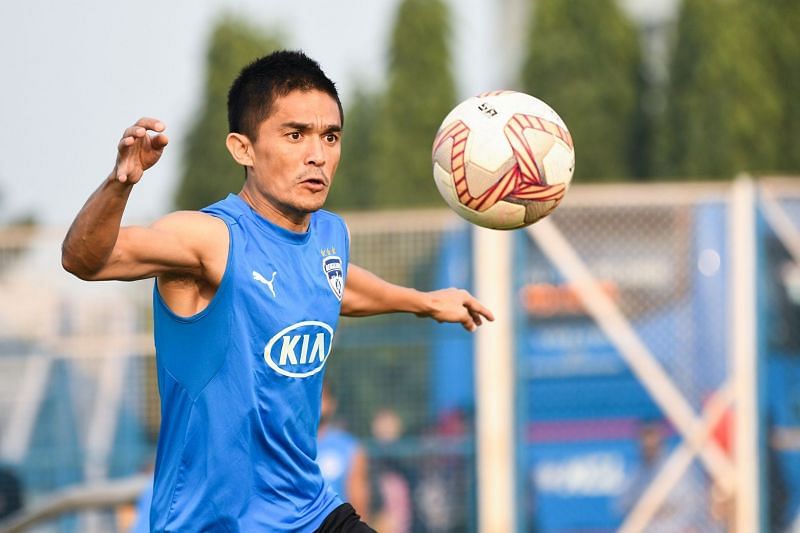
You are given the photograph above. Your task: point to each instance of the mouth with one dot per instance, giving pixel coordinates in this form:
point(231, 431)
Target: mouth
point(315, 182)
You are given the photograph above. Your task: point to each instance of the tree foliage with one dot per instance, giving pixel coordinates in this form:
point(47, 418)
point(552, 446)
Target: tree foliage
point(420, 92)
point(584, 60)
point(355, 180)
point(779, 21)
point(722, 105)
point(209, 172)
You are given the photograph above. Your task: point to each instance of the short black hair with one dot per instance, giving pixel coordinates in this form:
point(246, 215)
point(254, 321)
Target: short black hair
point(260, 83)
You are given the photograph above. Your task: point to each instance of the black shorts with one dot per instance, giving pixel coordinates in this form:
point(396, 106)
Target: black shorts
point(344, 519)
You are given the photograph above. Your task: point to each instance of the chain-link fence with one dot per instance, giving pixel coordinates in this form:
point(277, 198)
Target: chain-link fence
point(607, 388)
point(625, 394)
point(779, 318)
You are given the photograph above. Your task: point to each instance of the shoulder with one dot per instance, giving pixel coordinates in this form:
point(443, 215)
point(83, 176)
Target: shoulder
point(190, 223)
point(206, 234)
point(328, 217)
point(230, 208)
point(325, 218)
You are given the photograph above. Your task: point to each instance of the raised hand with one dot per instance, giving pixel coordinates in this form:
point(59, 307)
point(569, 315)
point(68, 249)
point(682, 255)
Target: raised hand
point(138, 150)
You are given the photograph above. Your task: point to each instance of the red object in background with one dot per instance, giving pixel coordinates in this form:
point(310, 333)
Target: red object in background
point(722, 432)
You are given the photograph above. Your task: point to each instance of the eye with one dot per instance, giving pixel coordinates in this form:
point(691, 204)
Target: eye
point(331, 138)
point(295, 135)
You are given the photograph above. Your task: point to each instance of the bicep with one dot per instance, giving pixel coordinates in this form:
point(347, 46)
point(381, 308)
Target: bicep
point(360, 283)
point(177, 243)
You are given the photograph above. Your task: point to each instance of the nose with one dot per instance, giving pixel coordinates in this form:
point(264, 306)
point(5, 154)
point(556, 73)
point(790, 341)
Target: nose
point(316, 152)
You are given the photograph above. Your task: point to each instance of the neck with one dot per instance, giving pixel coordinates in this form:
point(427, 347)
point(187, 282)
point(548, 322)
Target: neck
point(285, 218)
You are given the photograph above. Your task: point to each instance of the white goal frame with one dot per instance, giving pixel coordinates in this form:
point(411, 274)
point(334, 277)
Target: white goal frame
point(495, 394)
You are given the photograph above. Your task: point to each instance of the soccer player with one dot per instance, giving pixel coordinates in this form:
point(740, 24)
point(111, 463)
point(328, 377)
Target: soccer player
point(341, 458)
point(246, 298)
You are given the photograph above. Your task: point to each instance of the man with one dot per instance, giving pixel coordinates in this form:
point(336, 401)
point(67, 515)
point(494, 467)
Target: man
point(11, 499)
point(342, 460)
point(247, 296)
point(686, 507)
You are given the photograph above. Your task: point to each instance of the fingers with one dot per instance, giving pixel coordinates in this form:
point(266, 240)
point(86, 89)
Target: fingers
point(158, 142)
point(152, 124)
point(459, 306)
point(137, 150)
point(477, 312)
point(476, 317)
point(142, 126)
point(140, 129)
point(478, 309)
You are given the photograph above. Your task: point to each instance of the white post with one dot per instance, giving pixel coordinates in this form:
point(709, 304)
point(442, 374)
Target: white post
point(744, 353)
point(494, 384)
point(30, 396)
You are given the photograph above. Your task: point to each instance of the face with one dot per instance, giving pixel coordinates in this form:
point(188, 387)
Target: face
point(295, 156)
point(650, 440)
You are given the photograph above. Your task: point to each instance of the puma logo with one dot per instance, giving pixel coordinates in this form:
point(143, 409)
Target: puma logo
point(268, 282)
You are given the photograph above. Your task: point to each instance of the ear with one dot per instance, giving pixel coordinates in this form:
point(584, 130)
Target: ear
point(240, 148)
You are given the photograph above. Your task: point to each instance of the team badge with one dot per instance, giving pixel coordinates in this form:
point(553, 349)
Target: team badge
point(332, 266)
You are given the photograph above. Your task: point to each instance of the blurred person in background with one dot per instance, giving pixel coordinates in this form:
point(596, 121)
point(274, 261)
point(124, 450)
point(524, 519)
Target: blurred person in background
point(393, 478)
point(135, 517)
point(686, 508)
point(341, 457)
point(11, 499)
point(247, 296)
point(141, 523)
point(441, 490)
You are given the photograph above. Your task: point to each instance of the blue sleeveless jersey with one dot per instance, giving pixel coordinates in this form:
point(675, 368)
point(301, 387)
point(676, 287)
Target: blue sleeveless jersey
point(336, 450)
point(241, 382)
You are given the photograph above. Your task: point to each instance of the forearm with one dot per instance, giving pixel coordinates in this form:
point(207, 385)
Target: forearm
point(366, 294)
point(390, 299)
point(94, 232)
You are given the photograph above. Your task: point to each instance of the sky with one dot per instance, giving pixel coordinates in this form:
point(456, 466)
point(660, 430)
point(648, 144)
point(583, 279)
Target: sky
point(75, 74)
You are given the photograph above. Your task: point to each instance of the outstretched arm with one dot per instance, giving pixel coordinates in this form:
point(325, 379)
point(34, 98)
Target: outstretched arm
point(94, 232)
point(366, 294)
point(97, 248)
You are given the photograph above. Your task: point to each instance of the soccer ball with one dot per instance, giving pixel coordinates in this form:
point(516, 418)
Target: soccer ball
point(503, 159)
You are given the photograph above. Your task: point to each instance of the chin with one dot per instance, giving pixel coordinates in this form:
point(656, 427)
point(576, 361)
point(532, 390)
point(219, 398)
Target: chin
point(315, 203)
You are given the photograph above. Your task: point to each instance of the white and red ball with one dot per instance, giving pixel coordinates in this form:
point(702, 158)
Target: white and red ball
point(503, 159)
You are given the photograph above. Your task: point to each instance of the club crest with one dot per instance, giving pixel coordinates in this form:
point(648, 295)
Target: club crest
point(332, 266)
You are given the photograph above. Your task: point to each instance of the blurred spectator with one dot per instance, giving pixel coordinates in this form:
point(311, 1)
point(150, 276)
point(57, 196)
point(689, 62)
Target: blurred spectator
point(395, 512)
point(441, 491)
point(142, 523)
point(341, 458)
point(686, 508)
point(135, 517)
point(10, 492)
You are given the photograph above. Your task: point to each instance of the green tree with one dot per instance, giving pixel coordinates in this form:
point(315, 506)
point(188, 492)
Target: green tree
point(779, 23)
point(354, 184)
point(209, 172)
point(722, 107)
point(420, 92)
point(584, 60)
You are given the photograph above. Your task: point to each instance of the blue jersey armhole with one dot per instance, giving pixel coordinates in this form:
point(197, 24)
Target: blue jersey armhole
point(221, 290)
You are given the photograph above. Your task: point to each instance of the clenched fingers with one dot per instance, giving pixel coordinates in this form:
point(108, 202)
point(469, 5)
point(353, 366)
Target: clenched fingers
point(150, 123)
point(138, 150)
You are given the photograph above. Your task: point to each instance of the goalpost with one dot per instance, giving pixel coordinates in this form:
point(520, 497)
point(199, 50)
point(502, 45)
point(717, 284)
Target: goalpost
point(495, 354)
